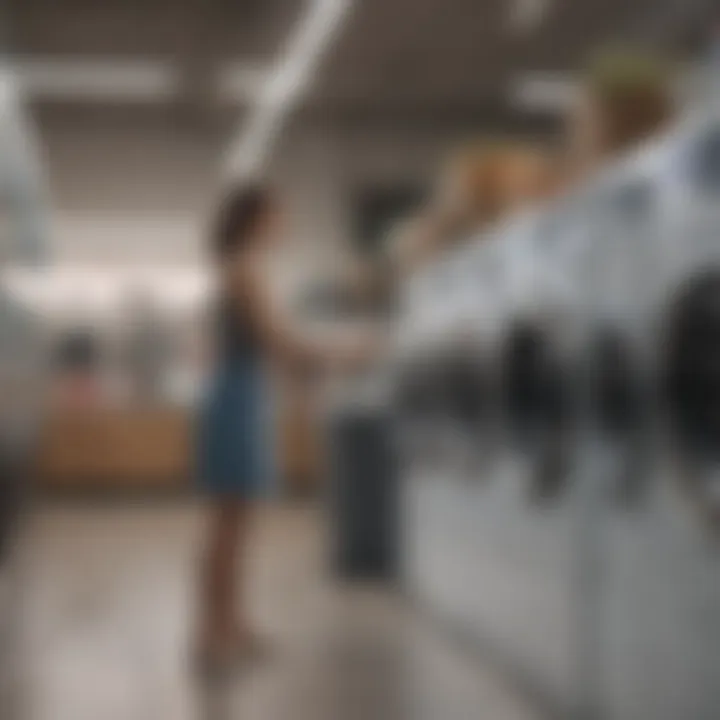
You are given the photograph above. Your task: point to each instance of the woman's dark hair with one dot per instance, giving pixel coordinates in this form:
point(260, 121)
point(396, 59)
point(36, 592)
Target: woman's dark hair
point(237, 219)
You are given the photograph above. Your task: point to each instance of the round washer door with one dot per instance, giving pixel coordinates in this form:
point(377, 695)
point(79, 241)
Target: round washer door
point(691, 389)
point(537, 391)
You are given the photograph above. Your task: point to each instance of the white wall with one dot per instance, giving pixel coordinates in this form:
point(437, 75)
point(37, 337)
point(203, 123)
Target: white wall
point(320, 174)
point(127, 195)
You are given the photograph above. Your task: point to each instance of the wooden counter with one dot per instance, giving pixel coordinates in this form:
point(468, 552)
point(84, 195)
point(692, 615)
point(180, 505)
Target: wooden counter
point(130, 447)
point(152, 448)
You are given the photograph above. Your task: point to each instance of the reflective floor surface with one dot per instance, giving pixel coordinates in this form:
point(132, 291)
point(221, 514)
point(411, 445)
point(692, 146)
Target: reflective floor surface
point(107, 605)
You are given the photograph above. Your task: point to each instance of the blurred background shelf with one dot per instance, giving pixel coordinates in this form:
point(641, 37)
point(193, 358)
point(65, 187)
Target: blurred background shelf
point(147, 448)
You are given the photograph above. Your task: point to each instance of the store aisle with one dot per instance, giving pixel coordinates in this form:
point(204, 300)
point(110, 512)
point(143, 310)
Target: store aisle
point(107, 606)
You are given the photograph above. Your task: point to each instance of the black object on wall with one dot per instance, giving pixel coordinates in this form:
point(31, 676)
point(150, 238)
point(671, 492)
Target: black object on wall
point(77, 349)
point(377, 210)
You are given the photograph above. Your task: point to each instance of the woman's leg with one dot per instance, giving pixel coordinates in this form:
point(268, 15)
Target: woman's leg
point(223, 596)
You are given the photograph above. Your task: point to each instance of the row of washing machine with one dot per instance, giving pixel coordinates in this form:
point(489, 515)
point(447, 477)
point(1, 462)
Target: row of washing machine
point(558, 396)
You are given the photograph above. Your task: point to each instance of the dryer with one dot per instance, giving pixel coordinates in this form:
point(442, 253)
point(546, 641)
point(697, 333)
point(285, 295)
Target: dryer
point(491, 538)
point(440, 498)
point(657, 600)
point(541, 344)
point(521, 604)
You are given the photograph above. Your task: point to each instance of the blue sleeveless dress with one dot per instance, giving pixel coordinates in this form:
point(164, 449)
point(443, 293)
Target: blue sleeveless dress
point(234, 429)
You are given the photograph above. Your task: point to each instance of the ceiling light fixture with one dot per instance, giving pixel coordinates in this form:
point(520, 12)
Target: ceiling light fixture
point(286, 83)
point(544, 92)
point(88, 79)
point(527, 15)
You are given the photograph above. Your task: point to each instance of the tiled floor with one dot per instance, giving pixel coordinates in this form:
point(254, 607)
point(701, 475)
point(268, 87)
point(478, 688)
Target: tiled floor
point(107, 609)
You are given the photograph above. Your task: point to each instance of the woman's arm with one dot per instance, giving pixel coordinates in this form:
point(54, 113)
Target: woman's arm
point(281, 340)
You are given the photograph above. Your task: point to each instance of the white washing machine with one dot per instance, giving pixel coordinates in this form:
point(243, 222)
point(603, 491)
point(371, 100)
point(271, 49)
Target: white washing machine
point(657, 600)
point(488, 548)
point(523, 586)
point(443, 486)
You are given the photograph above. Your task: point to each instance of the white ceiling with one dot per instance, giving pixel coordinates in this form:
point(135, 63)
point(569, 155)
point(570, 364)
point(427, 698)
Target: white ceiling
point(417, 54)
point(136, 99)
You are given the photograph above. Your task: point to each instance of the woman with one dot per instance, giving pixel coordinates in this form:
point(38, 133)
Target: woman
point(233, 451)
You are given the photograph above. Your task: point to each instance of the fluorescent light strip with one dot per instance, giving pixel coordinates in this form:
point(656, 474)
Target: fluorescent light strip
point(56, 288)
point(527, 15)
point(93, 80)
point(544, 92)
point(290, 78)
point(555, 92)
